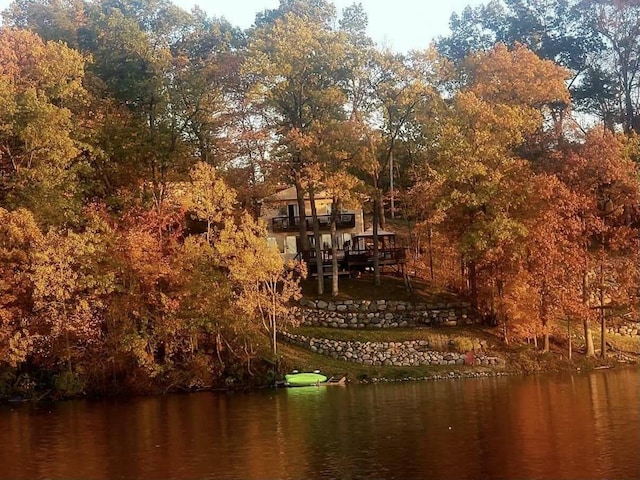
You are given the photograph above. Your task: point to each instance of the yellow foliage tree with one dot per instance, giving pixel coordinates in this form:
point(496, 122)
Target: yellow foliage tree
point(264, 285)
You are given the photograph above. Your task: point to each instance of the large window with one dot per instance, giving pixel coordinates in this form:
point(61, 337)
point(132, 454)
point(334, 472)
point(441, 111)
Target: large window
point(290, 245)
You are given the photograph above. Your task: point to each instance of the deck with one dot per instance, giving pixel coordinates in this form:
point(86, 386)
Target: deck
point(353, 261)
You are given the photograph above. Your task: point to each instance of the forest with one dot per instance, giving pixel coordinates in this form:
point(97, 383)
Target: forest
point(137, 141)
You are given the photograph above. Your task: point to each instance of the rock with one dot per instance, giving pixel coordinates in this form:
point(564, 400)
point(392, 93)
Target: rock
point(305, 302)
point(322, 304)
point(341, 308)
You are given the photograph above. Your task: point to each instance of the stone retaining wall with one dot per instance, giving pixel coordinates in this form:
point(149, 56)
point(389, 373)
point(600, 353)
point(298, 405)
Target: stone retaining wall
point(628, 330)
point(405, 354)
point(382, 314)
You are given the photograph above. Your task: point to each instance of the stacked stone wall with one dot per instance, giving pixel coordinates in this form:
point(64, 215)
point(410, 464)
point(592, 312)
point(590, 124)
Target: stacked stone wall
point(383, 314)
point(407, 353)
point(626, 330)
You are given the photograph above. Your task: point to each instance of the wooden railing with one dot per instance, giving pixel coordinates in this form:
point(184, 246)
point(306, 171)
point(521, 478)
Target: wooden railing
point(350, 258)
point(292, 224)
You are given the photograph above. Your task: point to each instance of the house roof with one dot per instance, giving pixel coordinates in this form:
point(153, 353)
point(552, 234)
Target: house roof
point(289, 194)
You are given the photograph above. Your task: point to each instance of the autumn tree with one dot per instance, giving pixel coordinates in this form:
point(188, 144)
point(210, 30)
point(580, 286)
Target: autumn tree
point(207, 197)
point(604, 174)
point(71, 284)
point(20, 238)
point(476, 180)
point(297, 61)
point(595, 40)
point(41, 90)
point(264, 284)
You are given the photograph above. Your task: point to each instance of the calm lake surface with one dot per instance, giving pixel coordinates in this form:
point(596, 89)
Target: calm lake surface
point(582, 426)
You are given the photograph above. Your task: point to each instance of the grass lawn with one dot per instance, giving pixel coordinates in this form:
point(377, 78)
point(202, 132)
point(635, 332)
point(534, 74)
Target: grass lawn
point(438, 338)
point(392, 288)
point(305, 360)
point(520, 357)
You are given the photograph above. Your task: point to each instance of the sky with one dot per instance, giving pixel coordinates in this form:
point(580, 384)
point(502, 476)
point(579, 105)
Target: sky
point(400, 25)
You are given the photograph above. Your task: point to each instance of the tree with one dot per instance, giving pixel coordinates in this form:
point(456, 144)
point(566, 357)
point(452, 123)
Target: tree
point(264, 285)
point(208, 198)
point(596, 40)
point(603, 173)
point(71, 284)
point(20, 237)
point(297, 62)
point(41, 89)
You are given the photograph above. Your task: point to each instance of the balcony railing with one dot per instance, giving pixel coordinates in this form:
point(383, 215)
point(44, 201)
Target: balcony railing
point(292, 224)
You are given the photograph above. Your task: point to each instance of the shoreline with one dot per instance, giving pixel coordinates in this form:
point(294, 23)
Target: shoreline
point(435, 377)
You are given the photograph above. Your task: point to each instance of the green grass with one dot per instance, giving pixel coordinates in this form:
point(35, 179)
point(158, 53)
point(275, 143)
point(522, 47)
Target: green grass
point(304, 360)
point(392, 288)
point(445, 338)
point(521, 358)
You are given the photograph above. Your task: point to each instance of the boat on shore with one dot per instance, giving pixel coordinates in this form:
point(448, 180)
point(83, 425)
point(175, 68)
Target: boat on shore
point(307, 379)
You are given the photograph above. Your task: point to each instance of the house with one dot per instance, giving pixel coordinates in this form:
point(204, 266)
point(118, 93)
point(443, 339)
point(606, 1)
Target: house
point(282, 216)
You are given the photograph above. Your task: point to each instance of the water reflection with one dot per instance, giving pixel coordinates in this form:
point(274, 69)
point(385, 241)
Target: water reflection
point(580, 426)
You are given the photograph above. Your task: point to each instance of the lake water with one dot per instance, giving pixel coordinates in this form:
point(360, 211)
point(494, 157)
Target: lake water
point(582, 426)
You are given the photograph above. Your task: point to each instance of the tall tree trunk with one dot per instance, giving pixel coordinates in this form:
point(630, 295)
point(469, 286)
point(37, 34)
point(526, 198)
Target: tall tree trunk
point(603, 331)
point(569, 335)
point(316, 236)
point(376, 256)
point(273, 324)
point(381, 218)
point(473, 284)
point(302, 216)
point(334, 248)
point(588, 338)
point(544, 316)
point(430, 246)
point(586, 322)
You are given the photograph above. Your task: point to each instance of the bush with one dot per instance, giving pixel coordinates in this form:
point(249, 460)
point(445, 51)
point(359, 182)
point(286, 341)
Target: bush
point(462, 344)
point(68, 384)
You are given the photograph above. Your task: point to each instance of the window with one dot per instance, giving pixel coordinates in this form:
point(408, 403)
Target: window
point(293, 211)
point(326, 241)
point(343, 239)
point(280, 244)
point(290, 245)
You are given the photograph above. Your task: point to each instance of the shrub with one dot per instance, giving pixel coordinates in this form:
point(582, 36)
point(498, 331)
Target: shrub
point(68, 384)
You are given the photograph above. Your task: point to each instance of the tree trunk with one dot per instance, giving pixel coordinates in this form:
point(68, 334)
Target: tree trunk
point(569, 335)
point(473, 284)
point(302, 216)
point(382, 221)
point(376, 257)
point(588, 338)
point(273, 324)
point(544, 315)
point(334, 248)
point(316, 236)
point(430, 246)
point(603, 342)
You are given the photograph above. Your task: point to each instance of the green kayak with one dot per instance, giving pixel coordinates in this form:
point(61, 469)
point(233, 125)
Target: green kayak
point(304, 379)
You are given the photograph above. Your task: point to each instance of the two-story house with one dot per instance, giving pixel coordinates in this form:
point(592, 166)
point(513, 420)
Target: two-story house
point(281, 213)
